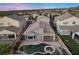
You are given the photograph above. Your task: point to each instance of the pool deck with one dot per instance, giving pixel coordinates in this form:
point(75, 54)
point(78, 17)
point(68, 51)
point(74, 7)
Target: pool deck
point(35, 42)
point(55, 44)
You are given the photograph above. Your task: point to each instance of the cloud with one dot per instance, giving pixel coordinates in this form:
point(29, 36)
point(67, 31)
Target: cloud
point(14, 6)
point(22, 6)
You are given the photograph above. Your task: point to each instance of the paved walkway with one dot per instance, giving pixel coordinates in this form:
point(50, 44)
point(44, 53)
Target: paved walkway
point(55, 44)
point(38, 42)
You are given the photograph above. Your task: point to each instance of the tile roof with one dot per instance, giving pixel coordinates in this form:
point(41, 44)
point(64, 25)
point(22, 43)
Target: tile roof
point(39, 25)
point(13, 28)
point(64, 16)
point(10, 28)
point(74, 28)
point(16, 17)
point(41, 17)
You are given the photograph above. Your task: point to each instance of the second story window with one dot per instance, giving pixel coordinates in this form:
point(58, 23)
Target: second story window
point(65, 22)
point(34, 37)
point(30, 37)
point(73, 22)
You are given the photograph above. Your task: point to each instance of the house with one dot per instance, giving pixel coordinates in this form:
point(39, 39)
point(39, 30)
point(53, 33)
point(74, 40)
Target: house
point(55, 14)
point(39, 31)
point(35, 15)
point(26, 16)
point(43, 19)
point(67, 24)
point(12, 20)
point(8, 34)
point(52, 17)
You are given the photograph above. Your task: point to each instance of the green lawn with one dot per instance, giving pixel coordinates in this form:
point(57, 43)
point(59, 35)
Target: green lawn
point(71, 44)
point(33, 48)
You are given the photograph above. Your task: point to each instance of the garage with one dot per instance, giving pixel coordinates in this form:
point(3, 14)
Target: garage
point(48, 38)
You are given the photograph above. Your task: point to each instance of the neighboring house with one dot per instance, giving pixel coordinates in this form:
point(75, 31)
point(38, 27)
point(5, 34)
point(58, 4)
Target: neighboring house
point(43, 19)
point(10, 27)
point(67, 24)
point(26, 16)
point(39, 31)
point(8, 34)
point(52, 17)
point(12, 20)
point(55, 14)
point(34, 15)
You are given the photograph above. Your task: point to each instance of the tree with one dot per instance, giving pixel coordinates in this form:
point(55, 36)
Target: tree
point(5, 49)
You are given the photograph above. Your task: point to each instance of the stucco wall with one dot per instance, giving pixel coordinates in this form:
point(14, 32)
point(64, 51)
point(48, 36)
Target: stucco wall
point(7, 32)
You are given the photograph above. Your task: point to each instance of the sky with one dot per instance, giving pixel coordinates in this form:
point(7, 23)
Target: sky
point(22, 6)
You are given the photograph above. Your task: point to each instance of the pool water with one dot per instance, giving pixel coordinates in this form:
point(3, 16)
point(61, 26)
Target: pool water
point(42, 54)
point(33, 48)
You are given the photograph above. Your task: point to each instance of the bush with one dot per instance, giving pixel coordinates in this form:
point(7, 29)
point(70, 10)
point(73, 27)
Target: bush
point(4, 49)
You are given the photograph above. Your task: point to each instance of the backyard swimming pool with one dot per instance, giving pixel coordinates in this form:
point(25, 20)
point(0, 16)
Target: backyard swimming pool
point(29, 49)
point(42, 54)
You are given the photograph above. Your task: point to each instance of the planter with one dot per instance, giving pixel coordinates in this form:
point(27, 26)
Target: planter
point(49, 49)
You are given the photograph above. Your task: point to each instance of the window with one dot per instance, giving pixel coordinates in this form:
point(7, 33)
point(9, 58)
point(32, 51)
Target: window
point(45, 30)
point(65, 32)
point(65, 22)
point(48, 38)
point(73, 22)
point(30, 37)
point(4, 35)
point(26, 37)
point(11, 36)
point(34, 36)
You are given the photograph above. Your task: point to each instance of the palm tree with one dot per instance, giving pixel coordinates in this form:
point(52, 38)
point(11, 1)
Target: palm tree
point(5, 49)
